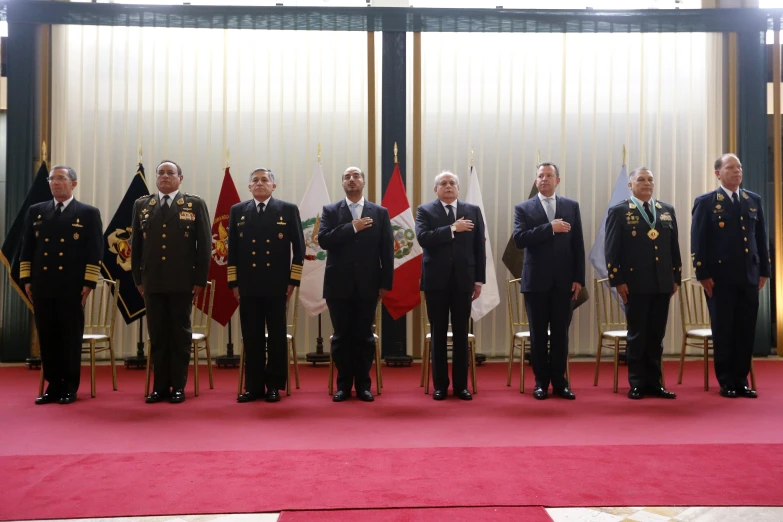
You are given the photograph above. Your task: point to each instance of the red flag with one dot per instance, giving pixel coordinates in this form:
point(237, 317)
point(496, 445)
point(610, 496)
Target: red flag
point(404, 295)
point(225, 304)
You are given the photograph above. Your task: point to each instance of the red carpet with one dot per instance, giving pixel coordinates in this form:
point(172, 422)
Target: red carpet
point(485, 514)
point(99, 457)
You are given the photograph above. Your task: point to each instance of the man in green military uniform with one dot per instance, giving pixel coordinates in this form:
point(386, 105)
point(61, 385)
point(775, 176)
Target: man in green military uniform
point(644, 264)
point(265, 255)
point(59, 267)
point(171, 247)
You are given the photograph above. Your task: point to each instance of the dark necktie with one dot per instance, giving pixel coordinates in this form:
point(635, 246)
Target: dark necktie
point(735, 198)
point(647, 211)
point(59, 208)
point(450, 214)
point(260, 209)
point(166, 201)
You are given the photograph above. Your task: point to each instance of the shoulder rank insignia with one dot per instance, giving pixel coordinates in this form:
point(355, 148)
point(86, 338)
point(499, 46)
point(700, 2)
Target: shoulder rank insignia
point(720, 197)
point(192, 195)
point(658, 205)
point(631, 205)
point(745, 195)
point(153, 202)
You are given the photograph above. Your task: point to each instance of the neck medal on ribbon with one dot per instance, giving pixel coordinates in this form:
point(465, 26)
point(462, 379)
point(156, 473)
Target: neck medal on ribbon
point(652, 234)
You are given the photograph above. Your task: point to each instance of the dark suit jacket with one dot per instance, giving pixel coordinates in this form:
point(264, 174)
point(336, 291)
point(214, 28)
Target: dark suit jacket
point(727, 247)
point(444, 252)
point(61, 254)
point(171, 255)
point(265, 253)
point(552, 261)
point(632, 258)
point(361, 261)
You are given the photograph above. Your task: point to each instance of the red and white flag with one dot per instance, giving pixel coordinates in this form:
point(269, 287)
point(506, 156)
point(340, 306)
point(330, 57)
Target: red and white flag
point(404, 295)
point(225, 304)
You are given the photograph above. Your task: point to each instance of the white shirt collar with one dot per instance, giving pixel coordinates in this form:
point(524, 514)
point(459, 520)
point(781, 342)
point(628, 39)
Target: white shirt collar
point(453, 204)
point(171, 196)
point(729, 192)
point(65, 203)
point(360, 202)
point(265, 202)
point(542, 197)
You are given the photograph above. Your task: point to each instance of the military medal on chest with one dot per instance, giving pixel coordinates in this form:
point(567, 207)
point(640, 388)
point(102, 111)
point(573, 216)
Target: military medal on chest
point(652, 234)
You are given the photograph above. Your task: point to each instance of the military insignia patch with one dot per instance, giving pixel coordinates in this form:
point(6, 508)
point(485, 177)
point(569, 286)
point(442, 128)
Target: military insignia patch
point(76, 235)
point(720, 197)
point(153, 202)
point(658, 205)
point(721, 224)
point(181, 201)
point(745, 195)
point(631, 205)
point(280, 236)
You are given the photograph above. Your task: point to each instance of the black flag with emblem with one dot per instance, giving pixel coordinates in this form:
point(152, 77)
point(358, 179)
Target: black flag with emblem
point(12, 246)
point(117, 250)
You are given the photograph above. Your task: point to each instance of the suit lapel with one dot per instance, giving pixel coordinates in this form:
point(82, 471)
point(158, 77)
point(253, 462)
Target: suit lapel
point(538, 209)
point(156, 213)
point(345, 212)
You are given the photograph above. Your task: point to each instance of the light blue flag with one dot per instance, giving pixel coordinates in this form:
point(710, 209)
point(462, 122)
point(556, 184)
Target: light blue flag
point(597, 255)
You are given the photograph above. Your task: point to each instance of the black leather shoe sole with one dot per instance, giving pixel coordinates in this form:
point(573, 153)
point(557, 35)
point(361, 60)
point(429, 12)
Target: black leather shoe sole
point(272, 396)
point(748, 393)
point(539, 394)
point(340, 396)
point(439, 395)
point(728, 393)
point(635, 394)
point(177, 397)
point(464, 395)
point(68, 398)
point(247, 397)
point(365, 396)
point(46, 399)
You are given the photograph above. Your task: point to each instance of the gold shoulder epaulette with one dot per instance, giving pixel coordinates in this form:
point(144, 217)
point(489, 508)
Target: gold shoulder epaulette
point(193, 195)
point(144, 197)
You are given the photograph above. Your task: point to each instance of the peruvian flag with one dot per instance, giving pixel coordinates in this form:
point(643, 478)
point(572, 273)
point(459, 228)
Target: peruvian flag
point(404, 295)
point(225, 304)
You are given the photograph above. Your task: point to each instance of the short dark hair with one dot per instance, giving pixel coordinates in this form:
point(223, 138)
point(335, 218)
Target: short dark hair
point(71, 172)
point(719, 161)
point(549, 164)
point(635, 172)
point(179, 169)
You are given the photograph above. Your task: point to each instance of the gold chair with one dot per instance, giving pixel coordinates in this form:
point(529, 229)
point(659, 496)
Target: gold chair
point(201, 324)
point(293, 309)
point(612, 329)
point(425, 357)
point(696, 327)
point(100, 312)
point(377, 335)
point(520, 333)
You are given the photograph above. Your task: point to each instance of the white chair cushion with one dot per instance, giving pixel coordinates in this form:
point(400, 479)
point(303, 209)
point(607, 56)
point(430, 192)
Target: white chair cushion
point(95, 337)
point(449, 335)
point(700, 333)
point(199, 337)
point(616, 333)
point(522, 335)
point(289, 336)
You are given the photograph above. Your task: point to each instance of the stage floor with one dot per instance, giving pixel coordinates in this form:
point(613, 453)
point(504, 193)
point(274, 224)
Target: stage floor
point(212, 455)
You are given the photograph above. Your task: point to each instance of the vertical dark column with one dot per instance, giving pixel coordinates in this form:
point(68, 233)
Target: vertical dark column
point(22, 146)
point(753, 151)
point(393, 126)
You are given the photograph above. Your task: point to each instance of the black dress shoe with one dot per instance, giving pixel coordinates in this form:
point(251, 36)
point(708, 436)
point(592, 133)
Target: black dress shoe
point(341, 395)
point(177, 396)
point(155, 397)
point(463, 395)
point(439, 395)
point(663, 393)
point(247, 397)
point(46, 398)
point(365, 396)
point(272, 395)
point(67, 398)
point(730, 393)
point(565, 393)
point(539, 393)
point(635, 394)
point(747, 392)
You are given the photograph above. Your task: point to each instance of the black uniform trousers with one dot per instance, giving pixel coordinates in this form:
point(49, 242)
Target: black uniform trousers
point(440, 304)
point(549, 314)
point(168, 324)
point(646, 316)
point(266, 363)
point(733, 312)
point(353, 344)
point(60, 324)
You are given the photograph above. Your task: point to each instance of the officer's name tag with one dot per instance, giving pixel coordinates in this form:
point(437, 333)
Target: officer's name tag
point(77, 225)
point(187, 216)
point(281, 223)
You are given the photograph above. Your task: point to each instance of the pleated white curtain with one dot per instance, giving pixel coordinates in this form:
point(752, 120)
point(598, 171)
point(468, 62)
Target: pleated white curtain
point(576, 99)
point(189, 95)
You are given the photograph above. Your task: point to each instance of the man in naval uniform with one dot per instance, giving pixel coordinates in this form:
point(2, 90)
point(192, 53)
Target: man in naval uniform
point(171, 248)
point(644, 265)
point(60, 261)
point(263, 234)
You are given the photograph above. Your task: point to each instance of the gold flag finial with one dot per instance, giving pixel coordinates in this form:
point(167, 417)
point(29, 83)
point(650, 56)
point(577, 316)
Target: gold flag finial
point(228, 157)
point(623, 154)
point(43, 151)
point(472, 159)
point(141, 155)
point(395, 153)
point(319, 153)
point(538, 157)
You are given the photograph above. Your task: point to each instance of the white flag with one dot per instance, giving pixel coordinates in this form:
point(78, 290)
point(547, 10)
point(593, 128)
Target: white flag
point(311, 288)
point(490, 295)
point(620, 193)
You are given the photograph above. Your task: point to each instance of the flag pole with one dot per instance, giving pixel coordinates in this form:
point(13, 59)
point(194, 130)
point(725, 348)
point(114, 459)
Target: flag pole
point(34, 361)
point(480, 357)
point(318, 356)
point(139, 361)
point(229, 360)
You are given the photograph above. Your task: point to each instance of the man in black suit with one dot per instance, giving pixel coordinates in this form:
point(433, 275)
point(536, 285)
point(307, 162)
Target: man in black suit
point(357, 237)
point(643, 260)
point(549, 228)
point(59, 266)
point(171, 249)
point(263, 234)
point(451, 233)
point(731, 260)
